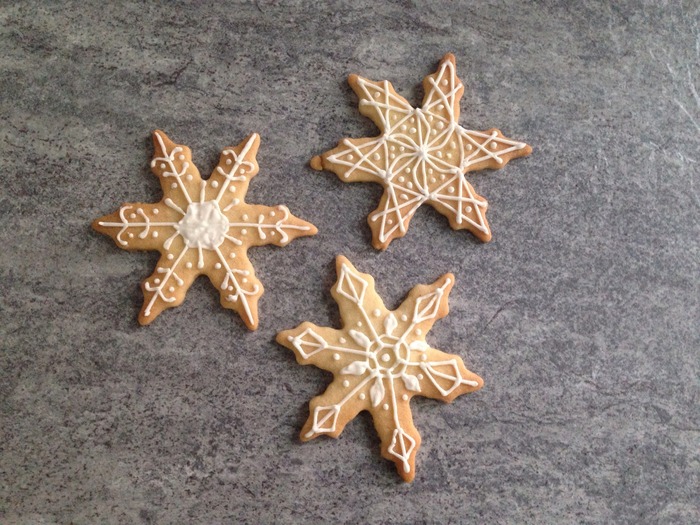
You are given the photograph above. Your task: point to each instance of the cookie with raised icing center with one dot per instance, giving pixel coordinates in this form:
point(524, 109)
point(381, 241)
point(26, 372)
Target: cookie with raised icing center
point(202, 227)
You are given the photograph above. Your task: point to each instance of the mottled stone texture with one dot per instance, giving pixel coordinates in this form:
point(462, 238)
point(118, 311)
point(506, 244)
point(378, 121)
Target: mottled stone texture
point(582, 315)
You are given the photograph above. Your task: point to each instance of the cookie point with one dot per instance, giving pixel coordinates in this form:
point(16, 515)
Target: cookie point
point(449, 57)
point(316, 163)
point(353, 79)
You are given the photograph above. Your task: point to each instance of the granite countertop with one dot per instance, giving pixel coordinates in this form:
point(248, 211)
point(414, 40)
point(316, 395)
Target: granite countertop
point(582, 315)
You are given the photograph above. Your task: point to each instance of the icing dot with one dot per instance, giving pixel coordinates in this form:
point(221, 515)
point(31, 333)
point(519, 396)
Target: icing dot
point(244, 280)
point(444, 82)
point(442, 176)
point(451, 190)
point(453, 144)
point(217, 266)
point(156, 211)
point(154, 234)
point(170, 256)
point(359, 323)
point(162, 166)
point(375, 156)
point(412, 119)
point(395, 116)
point(401, 148)
point(412, 130)
point(181, 157)
point(173, 185)
point(342, 340)
point(336, 357)
point(441, 106)
point(467, 209)
point(132, 216)
point(235, 201)
point(469, 147)
point(423, 357)
point(409, 185)
point(390, 222)
point(386, 357)
point(230, 288)
point(404, 197)
point(215, 184)
point(439, 154)
point(430, 170)
point(362, 396)
point(171, 289)
point(404, 127)
point(434, 132)
point(245, 217)
point(392, 156)
point(189, 177)
point(232, 255)
point(385, 406)
point(433, 180)
point(244, 231)
point(228, 162)
point(272, 214)
point(440, 125)
point(272, 233)
point(376, 312)
point(157, 281)
point(420, 376)
point(241, 171)
point(131, 236)
point(392, 148)
point(231, 189)
point(401, 179)
point(188, 265)
point(350, 157)
point(346, 383)
point(404, 397)
point(377, 94)
point(404, 317)
point(419, 331)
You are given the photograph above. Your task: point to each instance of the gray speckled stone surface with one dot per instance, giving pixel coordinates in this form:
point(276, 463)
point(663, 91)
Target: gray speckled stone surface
point(581, 315)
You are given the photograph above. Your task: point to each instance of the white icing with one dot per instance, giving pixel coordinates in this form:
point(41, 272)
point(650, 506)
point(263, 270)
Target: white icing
point(203, 226)
point(421, 153)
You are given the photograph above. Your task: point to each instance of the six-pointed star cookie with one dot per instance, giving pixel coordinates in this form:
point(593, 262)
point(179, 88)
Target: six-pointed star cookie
point(202, 227)
point(380, 360)
point(420, 156)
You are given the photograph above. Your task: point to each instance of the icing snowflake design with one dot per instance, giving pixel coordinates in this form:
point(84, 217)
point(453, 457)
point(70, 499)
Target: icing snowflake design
point(202, 227)
point(421, 155)
point(380, 360)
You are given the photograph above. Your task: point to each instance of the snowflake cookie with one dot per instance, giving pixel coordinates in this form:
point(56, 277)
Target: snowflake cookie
point(380, 360)
point(420, 156)
point(202, 227)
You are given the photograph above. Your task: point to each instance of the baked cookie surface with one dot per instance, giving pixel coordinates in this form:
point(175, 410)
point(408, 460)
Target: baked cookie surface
point(380, 360)
point(420, 156)
point(202, 227)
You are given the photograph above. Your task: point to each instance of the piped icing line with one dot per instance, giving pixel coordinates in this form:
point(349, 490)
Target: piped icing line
point(381, 360)
point(169, 161)
point(422, 151)
point(197, 237)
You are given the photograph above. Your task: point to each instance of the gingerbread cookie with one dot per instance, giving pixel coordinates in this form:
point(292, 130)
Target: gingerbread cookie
point(420, 156)
point(202, 227)
point(380, 360)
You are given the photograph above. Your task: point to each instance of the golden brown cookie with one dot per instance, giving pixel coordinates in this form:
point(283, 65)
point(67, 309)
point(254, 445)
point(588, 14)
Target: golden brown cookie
point(420, 156)
point(202, 227)
point(380, 360)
